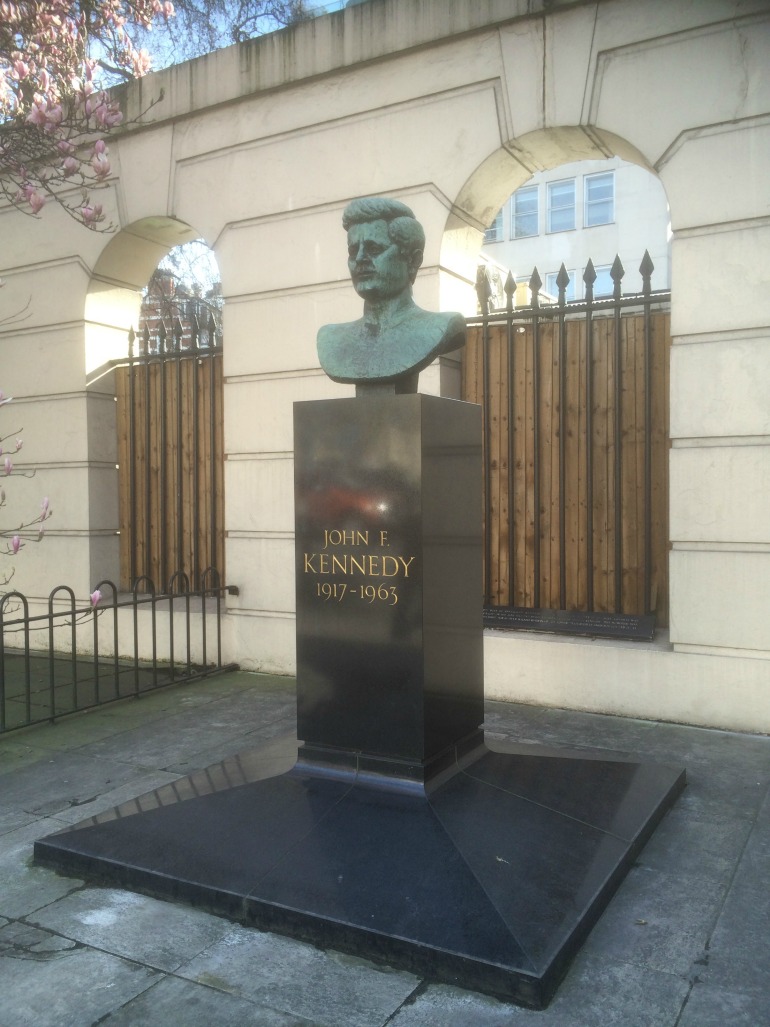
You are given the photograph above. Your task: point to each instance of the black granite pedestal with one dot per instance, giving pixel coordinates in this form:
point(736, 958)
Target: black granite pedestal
point(398, 835)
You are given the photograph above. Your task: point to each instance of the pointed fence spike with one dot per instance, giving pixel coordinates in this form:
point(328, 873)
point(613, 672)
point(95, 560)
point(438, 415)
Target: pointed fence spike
point(535, 282)
point(145, 344)
point(510, 290)
point(562, 280)
point(646, 268)
point(131, 341)
point(616, 274)
point(178, 334)
point(589, 277)
point(161, 347)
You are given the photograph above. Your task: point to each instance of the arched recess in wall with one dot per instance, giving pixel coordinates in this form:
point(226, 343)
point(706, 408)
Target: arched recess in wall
point(576, 406)
point(160, 415)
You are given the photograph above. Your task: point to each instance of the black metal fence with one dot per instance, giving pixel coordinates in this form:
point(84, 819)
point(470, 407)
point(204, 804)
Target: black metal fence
point(171, 451)
point(575, 403)
point(71, 658)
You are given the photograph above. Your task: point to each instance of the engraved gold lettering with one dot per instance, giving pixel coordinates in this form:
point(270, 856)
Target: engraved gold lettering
point(336, 537)
point(374, 566)
point(384, 538)
point(406, 564)
point(341, 563)
point(360, 567)
point(323, 563)
point(389, 566)
point(309, 568)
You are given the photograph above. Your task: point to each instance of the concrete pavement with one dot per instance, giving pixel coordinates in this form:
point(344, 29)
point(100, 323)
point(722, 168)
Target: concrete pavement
point(684, 943)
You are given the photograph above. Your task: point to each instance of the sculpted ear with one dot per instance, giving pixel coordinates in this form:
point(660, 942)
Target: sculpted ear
point(415, 261)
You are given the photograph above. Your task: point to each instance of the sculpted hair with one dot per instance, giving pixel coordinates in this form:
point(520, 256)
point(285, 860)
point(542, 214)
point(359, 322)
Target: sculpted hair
point(403, 227)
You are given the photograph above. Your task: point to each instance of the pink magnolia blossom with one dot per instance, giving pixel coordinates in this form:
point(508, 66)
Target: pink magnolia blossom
point(96, 597)
point(44, 509)
point(91, 213)
point(15, 544)
point(8, 465)
point(50, 62)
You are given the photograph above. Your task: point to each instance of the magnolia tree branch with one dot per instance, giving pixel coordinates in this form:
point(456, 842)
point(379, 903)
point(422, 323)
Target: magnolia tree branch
point(54, 111)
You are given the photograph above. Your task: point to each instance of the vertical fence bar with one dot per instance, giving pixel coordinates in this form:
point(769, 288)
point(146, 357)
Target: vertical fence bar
point(52, 649)
point(181, 579)
point(589, 277)
point(213, 442)
point(483, 293)
point(27, 659)
point(562, 281)
point(132, 540)
point(534, 283)
point(646, 268)
point(148, 585)
point(195, 345)
point(162, 568)
point(179, 449)
point(115, 656)
point(616, 274)
point(510, 291)
point(147, 460)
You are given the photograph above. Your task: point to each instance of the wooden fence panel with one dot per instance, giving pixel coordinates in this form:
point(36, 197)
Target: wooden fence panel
point(170, 468)
point(536, 487)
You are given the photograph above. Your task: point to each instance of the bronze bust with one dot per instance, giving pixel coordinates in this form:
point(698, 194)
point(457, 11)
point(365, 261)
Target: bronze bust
point(395, 339)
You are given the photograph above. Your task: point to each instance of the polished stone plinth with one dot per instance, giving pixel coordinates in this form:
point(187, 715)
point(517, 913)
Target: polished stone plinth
point(388, 498)
point(398, 835)
point(491, 882)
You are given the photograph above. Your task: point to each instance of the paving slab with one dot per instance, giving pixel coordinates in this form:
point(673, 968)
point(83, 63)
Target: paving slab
point(595, 993)
point(24, 887)
point(299, 979)
point(176, 1003)
point(158, 934)
point(64, 779)
point(47, 984)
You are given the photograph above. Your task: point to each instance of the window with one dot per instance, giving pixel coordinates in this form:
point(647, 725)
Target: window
point(552, 287)
point(561, 205)
point(524, 212)
point(604, 285)
point(495, 231)
point(599, 199)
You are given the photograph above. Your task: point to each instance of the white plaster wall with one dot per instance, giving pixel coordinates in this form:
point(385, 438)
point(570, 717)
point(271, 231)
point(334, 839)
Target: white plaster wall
point(450, 108)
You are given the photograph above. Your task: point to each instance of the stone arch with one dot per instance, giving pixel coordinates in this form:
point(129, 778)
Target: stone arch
point(121, 272)
point(112, 307)
point(509, 167)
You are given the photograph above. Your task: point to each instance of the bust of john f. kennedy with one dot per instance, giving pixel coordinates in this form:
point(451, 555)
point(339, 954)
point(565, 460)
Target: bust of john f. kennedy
point(395, 339)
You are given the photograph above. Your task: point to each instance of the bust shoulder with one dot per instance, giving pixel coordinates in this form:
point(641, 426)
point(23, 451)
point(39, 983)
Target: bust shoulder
point(356, 351)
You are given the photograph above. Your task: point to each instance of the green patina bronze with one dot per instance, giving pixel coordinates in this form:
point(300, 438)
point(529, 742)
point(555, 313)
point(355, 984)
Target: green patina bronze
point(395, 339)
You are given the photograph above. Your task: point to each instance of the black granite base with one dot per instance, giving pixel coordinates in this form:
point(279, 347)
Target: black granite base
point(491, 881)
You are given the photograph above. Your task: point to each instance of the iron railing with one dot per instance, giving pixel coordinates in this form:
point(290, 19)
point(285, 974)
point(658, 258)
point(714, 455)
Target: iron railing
point(73, 657)
point(507, 329)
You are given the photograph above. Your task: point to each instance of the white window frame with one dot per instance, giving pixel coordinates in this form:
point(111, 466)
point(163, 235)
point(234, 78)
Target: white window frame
point(525, 191)
point(552, 208)
point(590, 205)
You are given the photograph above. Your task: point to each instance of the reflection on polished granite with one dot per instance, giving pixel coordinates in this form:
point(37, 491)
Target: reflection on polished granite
point(491, 881)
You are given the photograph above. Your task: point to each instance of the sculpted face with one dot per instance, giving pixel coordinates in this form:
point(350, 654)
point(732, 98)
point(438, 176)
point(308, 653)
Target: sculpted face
point(377, 266)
